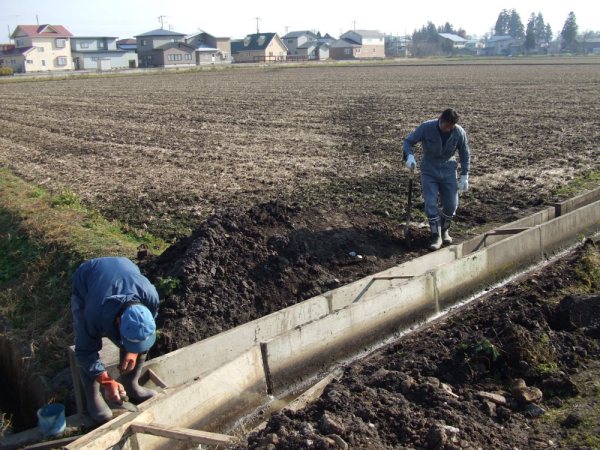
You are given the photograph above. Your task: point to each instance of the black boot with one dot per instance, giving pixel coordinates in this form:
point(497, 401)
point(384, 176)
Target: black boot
point(130, 380)
point(96, 406)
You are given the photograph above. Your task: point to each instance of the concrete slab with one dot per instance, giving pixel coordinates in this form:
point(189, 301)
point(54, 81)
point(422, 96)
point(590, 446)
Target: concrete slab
point(367, 288)
point(577, 202)
point(205, 356)
point(310, 349)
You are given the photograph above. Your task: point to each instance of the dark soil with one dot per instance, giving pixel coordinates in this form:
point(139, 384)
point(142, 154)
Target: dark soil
point(424, 391)
point(237, 266)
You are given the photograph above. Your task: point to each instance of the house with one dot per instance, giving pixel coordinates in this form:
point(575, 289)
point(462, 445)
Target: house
point(38, 48)
point(359, 44)
point(475, 46)
point(296, 39)
point(151, 48)
point(210, 49)
point(100, 53)
point(314, 50)
point(502, 46)
point(590, 46)
point(259, 47)
point(453, 41)
point(127, 44)
point(13, 58)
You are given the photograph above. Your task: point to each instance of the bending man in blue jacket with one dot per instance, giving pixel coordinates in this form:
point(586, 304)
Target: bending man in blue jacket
point(112, 298)
point(440, 139)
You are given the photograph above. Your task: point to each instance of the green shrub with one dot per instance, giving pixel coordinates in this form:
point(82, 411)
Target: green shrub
point(6, 71)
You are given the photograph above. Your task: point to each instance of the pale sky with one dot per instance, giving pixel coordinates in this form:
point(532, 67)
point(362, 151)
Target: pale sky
point(236, 18)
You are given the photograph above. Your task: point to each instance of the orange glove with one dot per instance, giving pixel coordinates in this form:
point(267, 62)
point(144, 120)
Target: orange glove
point(114, 391)
point(128, 362)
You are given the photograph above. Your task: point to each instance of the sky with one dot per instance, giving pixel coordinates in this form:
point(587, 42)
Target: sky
point(236, 18)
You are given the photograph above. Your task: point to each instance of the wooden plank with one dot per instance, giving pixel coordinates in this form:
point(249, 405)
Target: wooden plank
point(57, 443)
point(180, 434)
point(156, 379)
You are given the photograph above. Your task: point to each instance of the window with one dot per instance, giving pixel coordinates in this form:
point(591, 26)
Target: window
point(84, 44)
point(29, 61)
point(347, 51)
point(61, 43)
point(170, 57)
point(178, 57)
point(43, 62)
point(19, 42)
point(61, 60)
point(188, 57)
point(144, 42)
point(101, 44)
point(40, 49)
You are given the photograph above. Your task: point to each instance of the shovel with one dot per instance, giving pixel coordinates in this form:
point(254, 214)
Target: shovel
point(409, 208)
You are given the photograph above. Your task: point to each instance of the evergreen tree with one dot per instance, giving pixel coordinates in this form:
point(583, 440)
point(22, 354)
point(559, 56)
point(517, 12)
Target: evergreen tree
point(530, 34)
point(501, 27)
point(540, 29)
point(515, 26)
point(548, 33)
point(569, 32)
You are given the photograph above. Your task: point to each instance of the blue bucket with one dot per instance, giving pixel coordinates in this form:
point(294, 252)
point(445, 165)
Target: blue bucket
point(51, 419)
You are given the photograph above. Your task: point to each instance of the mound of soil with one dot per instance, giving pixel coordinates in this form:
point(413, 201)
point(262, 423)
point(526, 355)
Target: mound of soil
point(241, 265)
point(486, 377)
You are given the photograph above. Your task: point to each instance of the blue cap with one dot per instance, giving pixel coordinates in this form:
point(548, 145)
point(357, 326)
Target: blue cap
point(138, 330)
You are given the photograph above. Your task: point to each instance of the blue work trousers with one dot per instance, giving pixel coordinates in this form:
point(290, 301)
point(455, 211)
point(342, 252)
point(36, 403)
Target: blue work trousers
point(438, 180)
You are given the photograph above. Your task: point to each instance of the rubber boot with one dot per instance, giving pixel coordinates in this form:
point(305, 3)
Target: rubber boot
point(446, 238)
point(130, 380)
point(96, 406)
point(436, 239)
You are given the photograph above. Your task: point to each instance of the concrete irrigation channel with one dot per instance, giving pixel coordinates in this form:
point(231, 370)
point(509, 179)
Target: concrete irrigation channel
point(216, 384)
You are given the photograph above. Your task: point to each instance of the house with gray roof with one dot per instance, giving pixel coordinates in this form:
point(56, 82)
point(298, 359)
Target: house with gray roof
point(150, 48)
point(454, 40)
point(210, 49)
point(100, 53)
point(359, 44)
point(315, 50)
point(502, 46)
point(296, 39)
point(259, 47)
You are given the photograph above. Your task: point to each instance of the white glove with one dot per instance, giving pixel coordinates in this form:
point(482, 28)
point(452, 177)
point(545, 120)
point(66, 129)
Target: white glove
point(410, 162)
point(464, 183)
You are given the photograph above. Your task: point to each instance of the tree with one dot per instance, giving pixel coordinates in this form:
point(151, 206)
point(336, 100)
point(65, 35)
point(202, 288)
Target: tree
point(548, 33)
point(501, 28)
point(515, 26)
point(530, 34)
point(569, 32)
point(540, 29)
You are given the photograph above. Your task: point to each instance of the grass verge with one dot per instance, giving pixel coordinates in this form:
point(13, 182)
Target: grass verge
point(43, 239)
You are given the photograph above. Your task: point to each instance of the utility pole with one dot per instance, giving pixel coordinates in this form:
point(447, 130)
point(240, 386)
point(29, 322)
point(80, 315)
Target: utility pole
point(37, 20)
point(161, 19)
point(354, 25)
point(257, 30)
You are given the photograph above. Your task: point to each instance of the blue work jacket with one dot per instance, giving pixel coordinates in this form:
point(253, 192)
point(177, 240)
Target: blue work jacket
point(100, 288)
point(428, 135)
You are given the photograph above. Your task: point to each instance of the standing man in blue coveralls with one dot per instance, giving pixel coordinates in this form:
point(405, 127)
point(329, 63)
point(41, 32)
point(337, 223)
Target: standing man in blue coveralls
point(112, 298)
point(440, 139)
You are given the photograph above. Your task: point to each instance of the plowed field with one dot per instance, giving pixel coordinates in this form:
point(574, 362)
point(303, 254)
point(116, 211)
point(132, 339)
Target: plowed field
point(164, 151)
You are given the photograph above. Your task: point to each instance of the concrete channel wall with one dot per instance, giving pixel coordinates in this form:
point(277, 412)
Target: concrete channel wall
point(308, 338)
